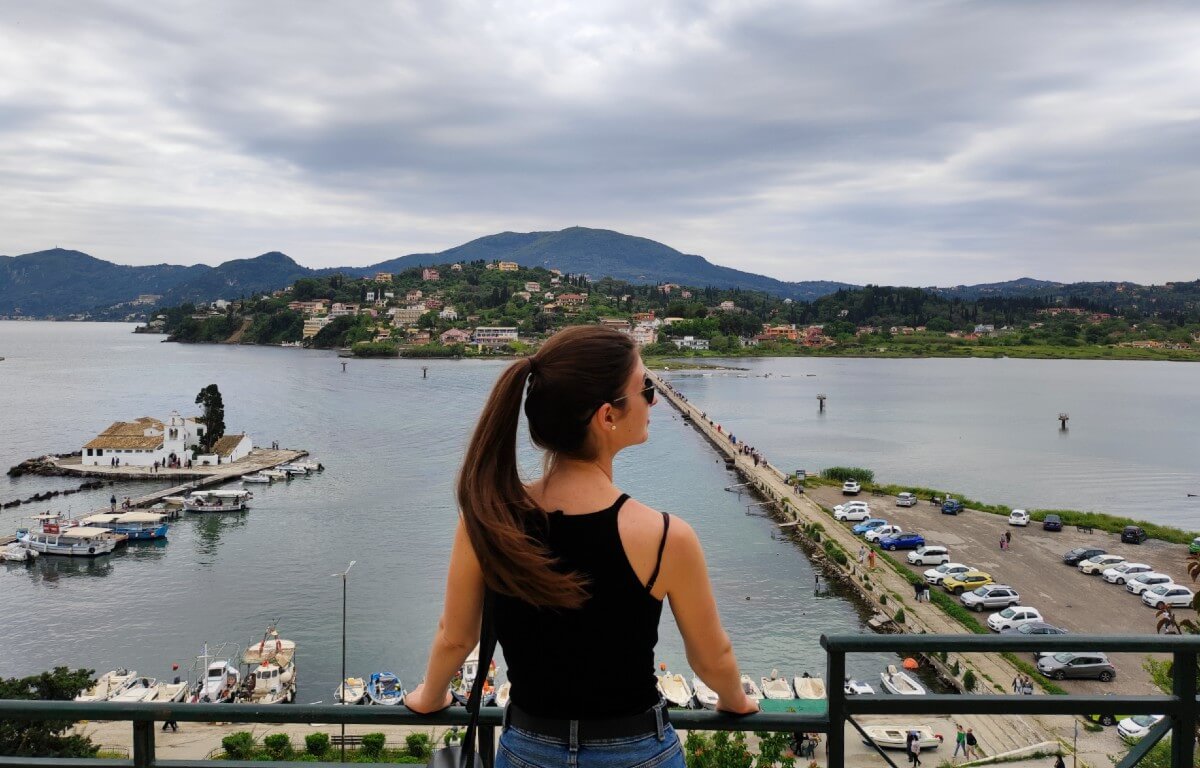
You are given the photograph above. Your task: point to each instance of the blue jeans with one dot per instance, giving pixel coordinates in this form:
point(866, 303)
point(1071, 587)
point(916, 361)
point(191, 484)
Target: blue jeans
point(522, 749)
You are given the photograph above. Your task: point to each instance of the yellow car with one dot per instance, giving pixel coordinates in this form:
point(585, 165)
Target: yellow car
point(965, 582)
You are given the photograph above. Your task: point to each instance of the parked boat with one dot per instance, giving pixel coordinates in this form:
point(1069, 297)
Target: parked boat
point(675, 690)
point(751, 688)
point(896, 736)
point(460, 687)
point(856, 687)
point(502, 694)
point(900, 682)
point(352, 691)
point(217, 501)
point(271, 671)
point(175, 501)
point(108, 685)
point(137, 525)
point(219, 677)
point(293, 469)
point(54, 538)
point(17, 553)
point(275, 474)
point(385, 688)
point(809, 687)
point(258, 477)
point(776, 687)
point(171, 692)
point(311, 466)
point(706, 697)
point(141, 689)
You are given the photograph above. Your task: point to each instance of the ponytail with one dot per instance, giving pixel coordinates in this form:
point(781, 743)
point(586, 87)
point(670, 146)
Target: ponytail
point(497, 510)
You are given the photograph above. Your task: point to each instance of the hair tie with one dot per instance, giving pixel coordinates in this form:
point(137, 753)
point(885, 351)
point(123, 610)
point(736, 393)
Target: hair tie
point(532, 365)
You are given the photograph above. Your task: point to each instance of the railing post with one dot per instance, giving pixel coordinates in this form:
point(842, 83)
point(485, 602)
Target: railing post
point(1183, 725)
point(835, 676)
point(487, 745)
point(143, 743)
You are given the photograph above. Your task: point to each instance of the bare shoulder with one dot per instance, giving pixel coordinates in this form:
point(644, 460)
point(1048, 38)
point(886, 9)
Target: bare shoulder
point(642, 525)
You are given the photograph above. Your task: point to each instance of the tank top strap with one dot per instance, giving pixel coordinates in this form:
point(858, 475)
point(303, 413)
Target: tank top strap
point(620, 502)
point(661, 546)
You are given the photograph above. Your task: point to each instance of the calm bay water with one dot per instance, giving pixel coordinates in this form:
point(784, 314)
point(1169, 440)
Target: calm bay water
point(392, 443)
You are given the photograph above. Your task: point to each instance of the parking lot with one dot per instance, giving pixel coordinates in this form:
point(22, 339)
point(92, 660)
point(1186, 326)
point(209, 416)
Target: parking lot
point(1033, 565)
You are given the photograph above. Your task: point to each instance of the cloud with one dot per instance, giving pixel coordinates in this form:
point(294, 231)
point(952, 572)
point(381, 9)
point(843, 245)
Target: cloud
point(916, 142)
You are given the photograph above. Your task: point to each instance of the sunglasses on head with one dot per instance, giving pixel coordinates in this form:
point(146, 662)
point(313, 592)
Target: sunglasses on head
point(647, 392)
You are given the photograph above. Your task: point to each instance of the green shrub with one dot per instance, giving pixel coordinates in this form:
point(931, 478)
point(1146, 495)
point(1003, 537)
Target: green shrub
point(317, 744)
point(419, 744)
point(842, 474)
point(238, 746)
point(969, 680)
point(955, 668)
point(451, 736)
point(278, 746)
point(372, 745)
point(883, 600)
point(899, 617)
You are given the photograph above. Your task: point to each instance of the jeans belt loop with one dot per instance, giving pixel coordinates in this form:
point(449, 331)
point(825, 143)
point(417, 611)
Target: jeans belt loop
point(658, 720)
point(574, 740)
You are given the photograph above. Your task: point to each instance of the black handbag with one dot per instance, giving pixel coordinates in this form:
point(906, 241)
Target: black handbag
point(464, 754)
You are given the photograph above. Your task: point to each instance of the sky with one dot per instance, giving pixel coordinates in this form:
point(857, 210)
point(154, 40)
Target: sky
point(909, 142)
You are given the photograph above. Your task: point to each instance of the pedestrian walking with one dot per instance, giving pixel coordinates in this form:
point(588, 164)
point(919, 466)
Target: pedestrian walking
point(1017, 684)
point(1003, 543)
point(960, 740)
point(1059, 763)
point(871, 559)
point(910, 739)
point(112, 503)
point(971, 743)
point(862, 554)
point(916, 752)
point(1008, 537)
point(917, 592)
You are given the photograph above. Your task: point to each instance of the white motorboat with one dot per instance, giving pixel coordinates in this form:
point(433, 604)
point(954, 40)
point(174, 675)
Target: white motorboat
point(170, 692)
point(217, 501)
point(751, 688)
point(502, 694)
point(900, 682)
point(142, 689)
point(108, 685)
point(259, 478)
point(310, 466)
point(856, 687)
point(175, 501)
point(705, 696)
point(220, 679)
point(293, 469)
point(675, 690)
point(352, 691)
point(270, 671)
point(73, 541)
point(18, 553)
point(896, 736)
point(275, 474)
point(776, 687)
point(809, 687)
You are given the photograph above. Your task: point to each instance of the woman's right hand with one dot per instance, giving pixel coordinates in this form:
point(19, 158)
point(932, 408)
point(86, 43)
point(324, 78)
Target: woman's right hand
point(744, 706)
point(425, 701)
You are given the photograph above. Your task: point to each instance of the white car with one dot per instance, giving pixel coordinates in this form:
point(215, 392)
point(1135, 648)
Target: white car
point(1121, 572)
point(851, 488)
point(851, 514)
point(935, 576)
point(853, 505)
point(906, 499)
point(1018, 517)
point(930, 554)
point(1171, 595)
point(1137, 727)
point(882, 532)
point(1143, 581)
point(1100, 563)
point(1013, 616)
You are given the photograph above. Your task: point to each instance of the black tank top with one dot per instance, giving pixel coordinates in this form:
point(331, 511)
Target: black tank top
point(596, 661)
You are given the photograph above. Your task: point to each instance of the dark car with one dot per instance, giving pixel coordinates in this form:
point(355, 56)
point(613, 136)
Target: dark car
point(1060, 666)
point(1133, 534)
point(903, 541)
point(1034, 629)
point(1052, 523)
point(951, 507)
point(1081, 553)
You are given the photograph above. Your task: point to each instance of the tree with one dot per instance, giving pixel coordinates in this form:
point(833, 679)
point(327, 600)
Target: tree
point(213, 418)
point(44, 738)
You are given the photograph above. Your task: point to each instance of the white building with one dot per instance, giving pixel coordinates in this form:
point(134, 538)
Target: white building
point(691, 342)
point(494, 336)
point(313, 326)
point(449, 313)
point(403, 316)
point(144, 441)
point(644, 333)
point(229, 448)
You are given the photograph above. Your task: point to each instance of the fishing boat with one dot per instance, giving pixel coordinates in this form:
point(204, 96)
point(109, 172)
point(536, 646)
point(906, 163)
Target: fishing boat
point(352, 691)
point(776, 687)
point(502, 694)
point(217, 676)
point(460, 687)
point(108, 685)
point(217, 501)
point(809, 687)
point(270, 676)
point(57, 538)
point(706, 697)
point(17, 553)
point(856, 687)
point(141, 689)
point(751, 688)
point(137, 526)
point(896, 736)
point(675, 690)
point(385, 688)
point(900, 682)
point(259, 478)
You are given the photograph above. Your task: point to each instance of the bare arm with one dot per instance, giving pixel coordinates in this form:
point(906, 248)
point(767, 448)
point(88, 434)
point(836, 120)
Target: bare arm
point(709, 650)
point(458, 629)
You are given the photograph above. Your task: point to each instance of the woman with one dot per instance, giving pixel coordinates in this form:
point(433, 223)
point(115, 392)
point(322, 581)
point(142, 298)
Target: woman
point(578, 569)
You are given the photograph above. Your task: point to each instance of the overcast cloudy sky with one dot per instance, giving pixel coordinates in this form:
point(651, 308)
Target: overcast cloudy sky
point(889, 142)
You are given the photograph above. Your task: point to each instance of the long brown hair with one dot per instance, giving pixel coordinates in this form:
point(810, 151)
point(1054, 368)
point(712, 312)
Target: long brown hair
point(575, 372)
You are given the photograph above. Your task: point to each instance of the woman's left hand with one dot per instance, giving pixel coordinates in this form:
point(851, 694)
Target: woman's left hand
point(425, 701)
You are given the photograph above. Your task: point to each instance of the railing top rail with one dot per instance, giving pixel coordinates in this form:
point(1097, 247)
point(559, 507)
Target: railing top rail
point(1001, 643)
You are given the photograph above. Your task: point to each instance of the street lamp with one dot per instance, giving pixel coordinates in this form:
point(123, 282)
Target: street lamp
point(342, 684)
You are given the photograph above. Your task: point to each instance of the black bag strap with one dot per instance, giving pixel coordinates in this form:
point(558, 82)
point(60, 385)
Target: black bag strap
point(487, 647)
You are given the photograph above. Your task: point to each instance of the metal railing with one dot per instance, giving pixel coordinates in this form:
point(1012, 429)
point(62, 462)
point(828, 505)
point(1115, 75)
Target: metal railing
point(1180, 707)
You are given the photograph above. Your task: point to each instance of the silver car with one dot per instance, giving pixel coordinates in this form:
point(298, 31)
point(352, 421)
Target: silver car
point(906, 499)
point(1060, 666)
point(991, 596)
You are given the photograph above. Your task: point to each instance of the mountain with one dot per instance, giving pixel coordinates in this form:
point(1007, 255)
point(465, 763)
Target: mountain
point(604, 253)
point(1024, 286)
point(241, 277)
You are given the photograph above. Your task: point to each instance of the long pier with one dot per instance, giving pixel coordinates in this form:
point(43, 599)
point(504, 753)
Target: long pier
point(797, 510)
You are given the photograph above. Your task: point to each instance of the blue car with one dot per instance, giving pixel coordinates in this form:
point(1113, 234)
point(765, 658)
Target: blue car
point(951, 507)
point(903, 541)
point(870, 524)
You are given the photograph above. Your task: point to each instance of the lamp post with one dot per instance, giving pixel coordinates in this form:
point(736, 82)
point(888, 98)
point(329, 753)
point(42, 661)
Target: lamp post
point(342, 685)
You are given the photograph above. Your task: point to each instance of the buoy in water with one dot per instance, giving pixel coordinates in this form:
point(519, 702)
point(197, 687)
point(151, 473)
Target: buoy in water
point(911, 663)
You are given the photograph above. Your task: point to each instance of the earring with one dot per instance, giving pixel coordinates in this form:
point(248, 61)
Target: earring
point(614, 427)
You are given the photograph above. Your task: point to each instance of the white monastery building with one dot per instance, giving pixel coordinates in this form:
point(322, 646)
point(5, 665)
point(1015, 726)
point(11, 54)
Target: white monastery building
point(147, 440)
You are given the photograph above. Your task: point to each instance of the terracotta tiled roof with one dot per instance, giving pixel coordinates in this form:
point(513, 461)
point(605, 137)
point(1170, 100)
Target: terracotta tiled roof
point(226, 444)
point(126, 442)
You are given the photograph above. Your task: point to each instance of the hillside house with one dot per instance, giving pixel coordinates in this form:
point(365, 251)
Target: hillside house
point(455, 336)
point(494, 336)
point(509, 266)
point(429, 274)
